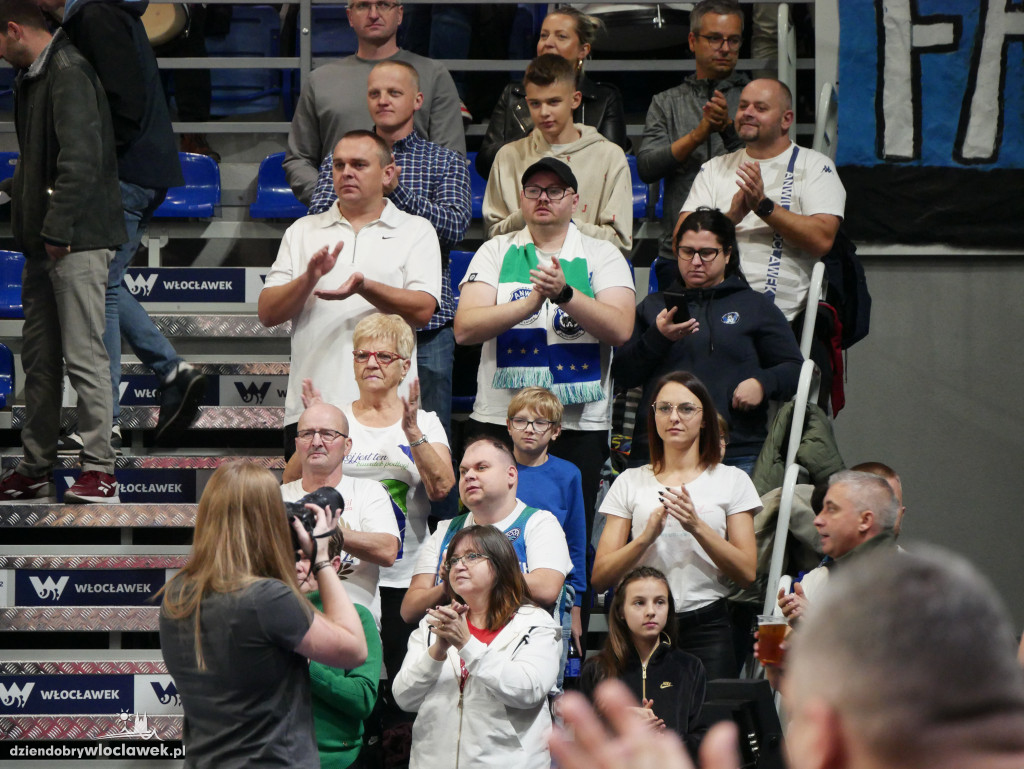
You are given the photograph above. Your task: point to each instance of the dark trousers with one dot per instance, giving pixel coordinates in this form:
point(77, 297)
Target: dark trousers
point(706, 633)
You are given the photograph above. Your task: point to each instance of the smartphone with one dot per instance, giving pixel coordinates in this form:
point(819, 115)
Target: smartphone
point(678, 301)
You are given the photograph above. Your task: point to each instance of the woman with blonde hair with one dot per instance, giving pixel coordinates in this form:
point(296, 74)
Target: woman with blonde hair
point(236, 632)
point(478, 671)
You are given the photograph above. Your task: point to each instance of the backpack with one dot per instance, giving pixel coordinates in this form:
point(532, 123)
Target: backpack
point(847, 289)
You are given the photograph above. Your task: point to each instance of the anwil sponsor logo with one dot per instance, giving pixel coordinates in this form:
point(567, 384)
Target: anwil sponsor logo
point(140, 284)
point(15, 695)
point(49, 589)
point(166, 695)
point(252, 393)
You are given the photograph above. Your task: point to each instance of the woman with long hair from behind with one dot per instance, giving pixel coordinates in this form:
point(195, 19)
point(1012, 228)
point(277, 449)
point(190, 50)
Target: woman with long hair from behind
point(235, 631)
point(479, 669)
point(640, 651)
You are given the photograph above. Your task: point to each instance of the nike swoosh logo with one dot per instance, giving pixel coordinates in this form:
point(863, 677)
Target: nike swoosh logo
point(666, 685)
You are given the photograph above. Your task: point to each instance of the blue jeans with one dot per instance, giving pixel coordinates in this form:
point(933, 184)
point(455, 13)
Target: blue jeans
point(124, 315)
point(435, 355)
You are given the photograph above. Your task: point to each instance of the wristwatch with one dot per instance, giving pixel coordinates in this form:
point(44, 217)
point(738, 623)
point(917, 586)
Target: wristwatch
point(765, 208)
point(564, 295)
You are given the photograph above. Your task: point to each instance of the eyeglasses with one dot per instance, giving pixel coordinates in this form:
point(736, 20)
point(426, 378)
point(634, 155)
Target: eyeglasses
point(327, 436)
point(540, 425)
point(717, 41)
point(381, 6)
point(685, 410)
point(554, 193)
point(384, 358)
point(469, 558)
point(706, 254)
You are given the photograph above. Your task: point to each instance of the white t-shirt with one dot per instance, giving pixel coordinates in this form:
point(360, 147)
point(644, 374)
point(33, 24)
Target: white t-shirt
point(545, 542)
point(398, 249)
point(693, 577)
point(816, 190)
point(383, 454)
point(367, 509)
point(607, 270)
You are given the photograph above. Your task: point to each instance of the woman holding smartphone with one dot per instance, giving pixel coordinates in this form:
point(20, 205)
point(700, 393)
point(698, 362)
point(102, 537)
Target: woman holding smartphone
point(714, 325)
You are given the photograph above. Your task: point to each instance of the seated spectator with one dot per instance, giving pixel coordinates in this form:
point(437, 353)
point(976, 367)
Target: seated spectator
point(580, 289)
point(711, 323)
point(235, 631)
point(479, 669)
point(687, 515)
point(342, 699)
point(639, 650)
point(488, 480)
point(883, 470)
point(606, 197)
point(569, 33)
point(372, 537)
point(534, 422)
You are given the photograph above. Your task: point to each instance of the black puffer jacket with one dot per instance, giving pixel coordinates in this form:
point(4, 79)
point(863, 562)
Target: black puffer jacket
point(742, 335)
point(601, 108)
point(65, 189)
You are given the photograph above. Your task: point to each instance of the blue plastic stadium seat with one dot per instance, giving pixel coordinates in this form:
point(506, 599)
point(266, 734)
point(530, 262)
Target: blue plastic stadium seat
point(652, 280)
point(6, 376)
point(274, 198)
point(639, 189)
point(201, 193)
point(8, 160)
point(458, 262)
point(11, 265)
point(478, 185)
point(255, 31)
point(659, 206)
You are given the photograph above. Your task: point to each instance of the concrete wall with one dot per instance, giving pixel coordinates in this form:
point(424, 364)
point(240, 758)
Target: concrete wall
point(936, 392)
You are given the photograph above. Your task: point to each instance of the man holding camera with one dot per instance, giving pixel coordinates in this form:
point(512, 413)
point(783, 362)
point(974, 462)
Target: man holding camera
point(368, 520)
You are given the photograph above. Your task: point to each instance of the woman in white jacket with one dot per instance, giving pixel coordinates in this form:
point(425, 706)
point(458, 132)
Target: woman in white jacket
point(479, 670)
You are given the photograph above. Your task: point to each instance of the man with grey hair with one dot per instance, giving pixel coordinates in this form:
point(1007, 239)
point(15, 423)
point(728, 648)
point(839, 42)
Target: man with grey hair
point(858, 517)
point(906, 662)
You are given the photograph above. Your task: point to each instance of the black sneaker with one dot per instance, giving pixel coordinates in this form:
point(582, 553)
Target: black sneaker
point(179, 402)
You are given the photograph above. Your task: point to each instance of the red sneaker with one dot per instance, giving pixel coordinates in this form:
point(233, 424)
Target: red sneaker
point(93, 486)
point(16, 487)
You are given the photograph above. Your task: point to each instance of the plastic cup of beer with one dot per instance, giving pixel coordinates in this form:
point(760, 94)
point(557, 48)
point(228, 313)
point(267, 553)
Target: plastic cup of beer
point(771, 630)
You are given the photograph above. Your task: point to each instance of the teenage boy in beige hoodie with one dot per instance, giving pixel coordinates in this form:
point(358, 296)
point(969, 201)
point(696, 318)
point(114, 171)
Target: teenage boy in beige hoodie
point(606, 206)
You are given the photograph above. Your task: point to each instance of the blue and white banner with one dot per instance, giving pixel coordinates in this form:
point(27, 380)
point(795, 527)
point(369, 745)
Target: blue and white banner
point(88, 694)
point(142, 485)
point(237, 285)
point(931, 119)
point(86, 587)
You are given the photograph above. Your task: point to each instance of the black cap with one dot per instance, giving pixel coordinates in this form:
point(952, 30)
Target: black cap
point(557, 167)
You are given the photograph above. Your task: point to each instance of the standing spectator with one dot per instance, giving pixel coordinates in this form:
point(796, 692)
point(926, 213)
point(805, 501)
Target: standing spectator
point(570, 33)
point(687, 515)
point(66, 218)
point(548, 303)
point(325, 285)
point(691, 123)
point(606, 197)
point(110, 35)
point(333, 102)
point(430, 181)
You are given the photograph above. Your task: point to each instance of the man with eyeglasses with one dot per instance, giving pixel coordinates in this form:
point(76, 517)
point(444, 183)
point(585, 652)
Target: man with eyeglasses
point(689, 124)
point(368, 521)
point(333, 101)
point(548, 303)
point(337, 267)
point(787, 202)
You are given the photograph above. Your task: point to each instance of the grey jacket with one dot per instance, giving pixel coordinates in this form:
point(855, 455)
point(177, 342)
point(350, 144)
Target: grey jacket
point(672, 114)
point(65, 189)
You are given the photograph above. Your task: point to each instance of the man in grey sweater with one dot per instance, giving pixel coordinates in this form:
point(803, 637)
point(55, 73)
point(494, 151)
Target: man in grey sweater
point(333, 102)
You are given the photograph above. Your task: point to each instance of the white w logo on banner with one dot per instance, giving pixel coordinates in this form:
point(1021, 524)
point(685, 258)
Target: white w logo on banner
point(15, 695)
point(49, 589)
point(140, 284)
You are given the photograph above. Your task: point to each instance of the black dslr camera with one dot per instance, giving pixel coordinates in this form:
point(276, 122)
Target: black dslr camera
point(325, 496)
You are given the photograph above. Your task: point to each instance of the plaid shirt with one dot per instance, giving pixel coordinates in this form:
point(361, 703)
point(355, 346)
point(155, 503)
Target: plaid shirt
point(434, 184)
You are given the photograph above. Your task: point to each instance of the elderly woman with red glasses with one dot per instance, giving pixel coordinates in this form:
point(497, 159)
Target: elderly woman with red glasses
point(400, 445)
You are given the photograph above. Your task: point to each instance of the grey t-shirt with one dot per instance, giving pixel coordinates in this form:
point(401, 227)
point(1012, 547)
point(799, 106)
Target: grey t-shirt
point(250, 707)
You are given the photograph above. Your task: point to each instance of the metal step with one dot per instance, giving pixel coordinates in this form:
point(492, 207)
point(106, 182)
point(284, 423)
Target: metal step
point(144, 418)
point(91, 728)
point(102, 619)
point(201, 325)
point(157, 462)
point(99, 516)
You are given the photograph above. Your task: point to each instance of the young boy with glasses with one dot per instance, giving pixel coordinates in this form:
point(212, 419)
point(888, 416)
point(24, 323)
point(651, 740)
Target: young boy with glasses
point(606, 202)
point(550, 483)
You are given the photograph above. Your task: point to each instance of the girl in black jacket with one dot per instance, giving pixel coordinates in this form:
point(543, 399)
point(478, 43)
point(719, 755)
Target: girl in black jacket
point(669, 683)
